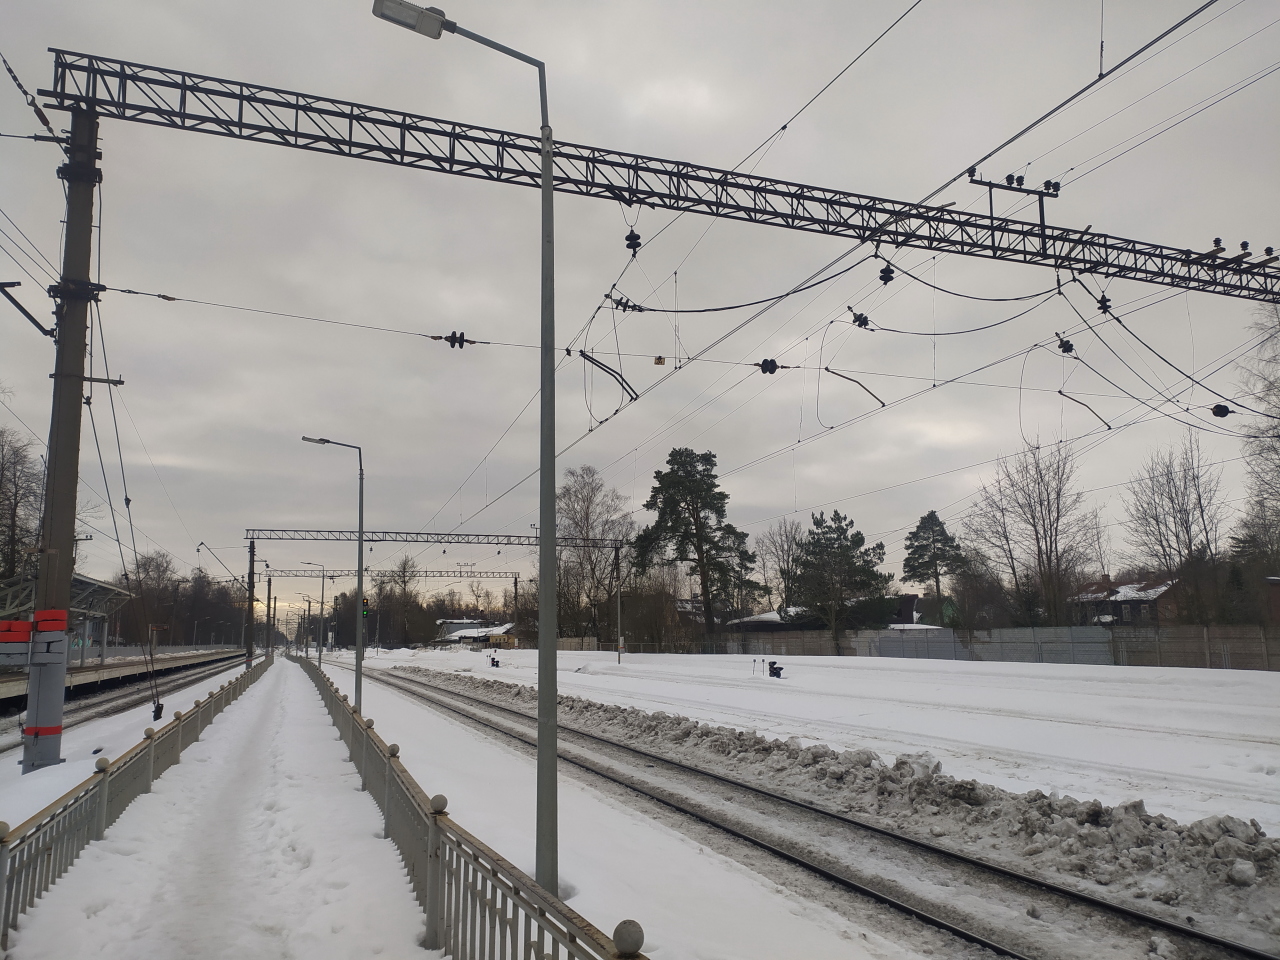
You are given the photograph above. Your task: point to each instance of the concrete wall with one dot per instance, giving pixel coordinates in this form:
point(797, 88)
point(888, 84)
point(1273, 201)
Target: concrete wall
point(1232, 647)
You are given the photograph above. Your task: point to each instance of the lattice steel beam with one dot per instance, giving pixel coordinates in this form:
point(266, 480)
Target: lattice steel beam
point(419, 574)
point(188, 101)
point(395, 536)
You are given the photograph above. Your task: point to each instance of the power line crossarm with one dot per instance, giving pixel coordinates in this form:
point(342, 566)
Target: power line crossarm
point(172, 98)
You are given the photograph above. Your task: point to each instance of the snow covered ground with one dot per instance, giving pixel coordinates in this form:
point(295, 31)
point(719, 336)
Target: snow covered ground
point(1191, 743)
point(617, 862)
point(258, 845)
point(24, 796)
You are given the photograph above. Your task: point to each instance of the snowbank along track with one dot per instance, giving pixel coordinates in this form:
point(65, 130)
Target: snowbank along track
point(1008, 912)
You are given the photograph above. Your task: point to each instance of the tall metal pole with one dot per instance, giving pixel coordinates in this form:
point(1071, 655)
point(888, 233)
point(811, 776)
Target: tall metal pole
point(248, 613)
point(42, 734)
point(266, 642)
point(322, 637)
point(547, 868)
point(360, 586)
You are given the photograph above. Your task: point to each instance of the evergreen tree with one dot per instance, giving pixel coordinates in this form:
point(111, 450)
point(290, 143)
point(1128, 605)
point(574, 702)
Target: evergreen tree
point(836, 570)
point(691, 525)
point(932, 554)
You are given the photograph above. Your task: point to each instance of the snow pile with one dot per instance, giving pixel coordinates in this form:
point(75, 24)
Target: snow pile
point(258, 844)
point(1218, 867)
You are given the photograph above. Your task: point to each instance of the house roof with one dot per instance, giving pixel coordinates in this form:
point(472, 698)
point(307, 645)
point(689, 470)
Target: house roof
point(1098, 591)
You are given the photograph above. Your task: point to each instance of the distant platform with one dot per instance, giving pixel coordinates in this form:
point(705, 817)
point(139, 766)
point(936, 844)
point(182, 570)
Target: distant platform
point(15, 684)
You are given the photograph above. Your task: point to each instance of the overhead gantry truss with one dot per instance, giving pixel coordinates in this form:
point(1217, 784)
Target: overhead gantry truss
point(394, 536)
point(456, 574)
point(228, 108)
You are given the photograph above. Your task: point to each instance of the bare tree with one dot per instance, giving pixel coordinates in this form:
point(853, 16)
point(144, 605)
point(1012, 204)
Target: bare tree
point(586, 507)
point(1031, 524)
point(1176, 523)
point(1174, 510)
point(779, 549)
point(1262, 379)
point(20, 480)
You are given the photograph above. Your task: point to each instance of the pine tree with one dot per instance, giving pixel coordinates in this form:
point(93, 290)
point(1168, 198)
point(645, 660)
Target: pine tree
point(836, 568)
point(691, 510)
point(932, 553)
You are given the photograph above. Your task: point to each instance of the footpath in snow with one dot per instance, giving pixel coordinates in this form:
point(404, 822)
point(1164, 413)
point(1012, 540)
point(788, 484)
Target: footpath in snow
point(259, 844)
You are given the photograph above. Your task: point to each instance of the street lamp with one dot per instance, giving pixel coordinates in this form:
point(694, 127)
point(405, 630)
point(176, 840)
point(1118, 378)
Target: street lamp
point(320, 635)
point(359, 564)
point(432, 22)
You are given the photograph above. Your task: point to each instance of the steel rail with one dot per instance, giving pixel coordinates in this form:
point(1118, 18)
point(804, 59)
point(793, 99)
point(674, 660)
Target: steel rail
point(966, 859)
point(178, 99)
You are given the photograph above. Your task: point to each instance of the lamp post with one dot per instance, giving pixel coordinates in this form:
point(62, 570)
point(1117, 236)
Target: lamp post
point(431, 22)
point(320, 636)
point(359, 564)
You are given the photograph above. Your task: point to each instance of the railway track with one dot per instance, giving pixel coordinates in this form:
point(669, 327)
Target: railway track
point(982, 903)
point(94, 706)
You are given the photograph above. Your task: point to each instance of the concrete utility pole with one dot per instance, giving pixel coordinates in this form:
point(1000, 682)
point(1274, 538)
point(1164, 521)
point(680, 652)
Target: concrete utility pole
point(42, 735)
point(248, 613)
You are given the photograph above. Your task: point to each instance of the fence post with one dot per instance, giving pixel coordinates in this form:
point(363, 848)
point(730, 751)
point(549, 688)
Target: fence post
point(177, 718)
point(103, 766)
point(393, 750)
point(150, 735)
point(435, 876)
point(1208, 658)
point(364, 751)
point(4, 885)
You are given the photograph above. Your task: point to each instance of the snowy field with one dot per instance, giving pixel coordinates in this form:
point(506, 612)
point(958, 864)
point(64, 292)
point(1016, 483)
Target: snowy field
point(24, 796)
point(1191, 743)
point(258, 845)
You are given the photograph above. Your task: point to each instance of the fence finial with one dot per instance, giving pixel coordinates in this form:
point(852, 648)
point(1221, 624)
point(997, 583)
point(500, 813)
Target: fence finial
point(101, 764)
point(439, 803)
point(393, 750)
point(628, 937)
point(149, 733)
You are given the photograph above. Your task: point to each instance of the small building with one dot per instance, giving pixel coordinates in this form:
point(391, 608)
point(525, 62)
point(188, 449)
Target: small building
point(469, 631)
point(1138, 603)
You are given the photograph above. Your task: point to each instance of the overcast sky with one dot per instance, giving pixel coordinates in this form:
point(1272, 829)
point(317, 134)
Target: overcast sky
point(220, 398)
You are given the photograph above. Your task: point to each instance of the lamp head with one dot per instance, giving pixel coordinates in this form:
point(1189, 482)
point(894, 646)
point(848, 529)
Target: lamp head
point(316, 440)
point(429, 22)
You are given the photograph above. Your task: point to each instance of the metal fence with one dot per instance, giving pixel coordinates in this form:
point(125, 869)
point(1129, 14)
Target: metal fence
point(477, 904)
point(36, 853)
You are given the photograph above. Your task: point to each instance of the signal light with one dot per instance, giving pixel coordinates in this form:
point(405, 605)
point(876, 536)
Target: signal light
point(886, 273)
point(633, 242)
point(768, 366)
point(456, 339)
point(366, 606)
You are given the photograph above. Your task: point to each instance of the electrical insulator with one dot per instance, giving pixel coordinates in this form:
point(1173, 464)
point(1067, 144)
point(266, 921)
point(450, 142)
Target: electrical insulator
point(366, 606)
point(768, 366)
point(1019, 180)
point(1244, 246)
point(1104, 303)
point(1048, 186)
point(633, 242)
point(886, 273)
point(1009, 179)
point(1057, 187)
point(860, 319)
point(456, 339)
point(973, 172)
point(1065, 346)
point(1220, 410)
